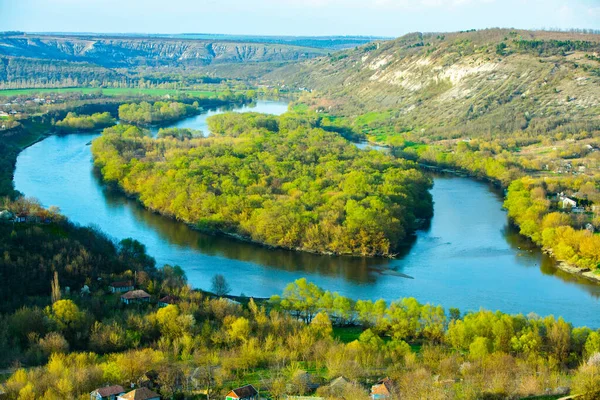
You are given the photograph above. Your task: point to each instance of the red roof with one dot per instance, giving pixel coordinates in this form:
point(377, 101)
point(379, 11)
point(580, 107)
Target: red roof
point(383, 387)
point(243, 392)
point(135, 294)
point(140, 394)
point(169, 299)
point(110, 390)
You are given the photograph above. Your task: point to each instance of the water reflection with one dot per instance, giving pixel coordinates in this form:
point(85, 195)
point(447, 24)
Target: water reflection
point(181, 235)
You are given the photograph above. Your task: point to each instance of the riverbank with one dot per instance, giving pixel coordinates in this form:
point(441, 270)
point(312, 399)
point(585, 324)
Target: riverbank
point(571, 269)
point(562, 265)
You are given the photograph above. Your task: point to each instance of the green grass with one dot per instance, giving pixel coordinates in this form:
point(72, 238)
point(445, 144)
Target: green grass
point(347, 334)
point(300, 108)
point(110, 91)
point(372, 117)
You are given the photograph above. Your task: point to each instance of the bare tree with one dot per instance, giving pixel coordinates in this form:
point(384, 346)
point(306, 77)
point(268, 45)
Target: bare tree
point(56, 295)
point(220, 287)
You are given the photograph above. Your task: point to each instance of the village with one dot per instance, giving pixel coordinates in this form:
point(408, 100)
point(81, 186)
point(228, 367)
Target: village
point(382, 390)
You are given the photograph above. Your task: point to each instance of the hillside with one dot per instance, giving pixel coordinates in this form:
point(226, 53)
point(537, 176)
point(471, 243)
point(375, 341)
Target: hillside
point(462, 84)
point(319, 42)
point(140, 51)
point(47, 60)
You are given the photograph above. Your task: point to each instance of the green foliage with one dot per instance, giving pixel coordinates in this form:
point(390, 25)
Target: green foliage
point(145, 113)
point(74, 122)
point(529, 206)
point(216, 345)
point(275, 180)
point(178, 133)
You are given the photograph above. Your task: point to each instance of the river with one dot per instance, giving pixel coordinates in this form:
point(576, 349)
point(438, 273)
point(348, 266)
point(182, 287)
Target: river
point(469, 257)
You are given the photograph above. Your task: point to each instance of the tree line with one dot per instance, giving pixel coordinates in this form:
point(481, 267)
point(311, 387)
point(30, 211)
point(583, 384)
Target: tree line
point(74, 122)
point(529, 203)
point(145, 113)
point(297, 341)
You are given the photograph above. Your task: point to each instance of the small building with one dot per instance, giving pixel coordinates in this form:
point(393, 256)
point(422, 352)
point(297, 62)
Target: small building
point(590, 227)
point(121, 286)
point(382, 389)
point(167, 300)
point(21, 217)
point(567, 202)
point(135, 296)
point(107, 393)
point(247, 392)
point(142, 393)
point(6, 215)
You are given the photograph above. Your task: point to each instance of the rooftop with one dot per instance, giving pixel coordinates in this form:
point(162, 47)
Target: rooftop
point(135, 294)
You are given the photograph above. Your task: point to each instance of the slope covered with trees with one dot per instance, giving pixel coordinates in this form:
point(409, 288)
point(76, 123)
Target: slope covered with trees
point(281, 181)
point(290, 345)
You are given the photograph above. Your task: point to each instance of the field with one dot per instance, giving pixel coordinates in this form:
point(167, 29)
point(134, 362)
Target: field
point(110, 91)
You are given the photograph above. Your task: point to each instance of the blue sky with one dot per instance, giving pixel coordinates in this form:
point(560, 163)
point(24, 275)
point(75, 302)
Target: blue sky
point(294, 17)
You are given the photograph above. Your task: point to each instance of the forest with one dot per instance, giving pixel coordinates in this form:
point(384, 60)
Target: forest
point(74, 122)
point(145, 113)
point(529, 203)
point(297, 343)
point(32, 252)
point(280, 181)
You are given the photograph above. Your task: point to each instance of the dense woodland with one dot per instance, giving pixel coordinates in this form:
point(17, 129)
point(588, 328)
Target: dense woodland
point(145, 113)
point(280, 181)
point(203, 346)
point(73, 122)
point(529, 203)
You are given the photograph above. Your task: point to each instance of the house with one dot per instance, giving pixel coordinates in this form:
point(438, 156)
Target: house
point(590, 227)
point(339, 382)
point(247, 392)
point(567, 202)
point(107, 393)
point(140, 394)
point(165, 301)
point(21, 217)
point(382, 389)
point(135, 296)
point(336, 388)
point(121, 286)
point(6, 215)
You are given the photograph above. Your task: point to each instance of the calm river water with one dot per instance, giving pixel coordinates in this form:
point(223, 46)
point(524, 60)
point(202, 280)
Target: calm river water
point(469, 257)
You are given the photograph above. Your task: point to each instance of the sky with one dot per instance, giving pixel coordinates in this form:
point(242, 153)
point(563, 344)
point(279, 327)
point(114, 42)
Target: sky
point(294, 17)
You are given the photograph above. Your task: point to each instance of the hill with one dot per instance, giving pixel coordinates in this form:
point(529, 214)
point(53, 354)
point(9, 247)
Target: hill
point(38, 60)
point(121, 51)
point(320, 42)
point(462, 84)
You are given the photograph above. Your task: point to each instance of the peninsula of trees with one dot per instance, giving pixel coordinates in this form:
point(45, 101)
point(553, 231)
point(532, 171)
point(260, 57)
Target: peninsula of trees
point(145, 113)
point(74, 122)
point(281, 181)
